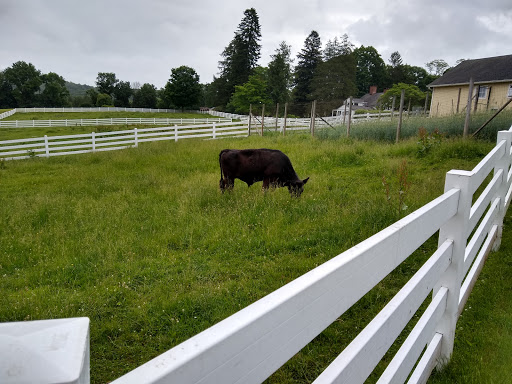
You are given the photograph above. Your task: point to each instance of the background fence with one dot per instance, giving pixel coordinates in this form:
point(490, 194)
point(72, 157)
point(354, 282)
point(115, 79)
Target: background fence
point(48, 146)
point(250, 345)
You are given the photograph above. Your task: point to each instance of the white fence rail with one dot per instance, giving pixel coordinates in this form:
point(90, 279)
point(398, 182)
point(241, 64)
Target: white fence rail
point(7, 114)
point(111, 121)
point(250, 345)
point(95, 109)
point(48, 146)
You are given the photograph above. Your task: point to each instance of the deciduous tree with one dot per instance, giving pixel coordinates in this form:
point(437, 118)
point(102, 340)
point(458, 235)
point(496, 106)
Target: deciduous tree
point(253, 92)
point(122, 94)
point(25, 82)
point(371, 69)
point(55, 93)
point(145, 97)
point(412, 93)
point(106, 82)
point(183, 89)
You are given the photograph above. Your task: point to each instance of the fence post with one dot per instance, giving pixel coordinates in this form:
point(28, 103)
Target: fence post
point(349, 115)
point(456, 230)
point(468, 109)
point(277, 115)
point(400, 113)
point(46, 147)
point(214, 133)
point(135, 138)
point(175, 132)
point(285, 117)
point(93, 138)
point(503, 164)
point(250, 117)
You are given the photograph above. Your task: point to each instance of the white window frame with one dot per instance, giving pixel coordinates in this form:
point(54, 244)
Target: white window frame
point(482, 91)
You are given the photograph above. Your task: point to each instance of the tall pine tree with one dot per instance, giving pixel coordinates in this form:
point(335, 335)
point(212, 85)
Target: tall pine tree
point(241, 56)
point(279, 74)
point(309, 58)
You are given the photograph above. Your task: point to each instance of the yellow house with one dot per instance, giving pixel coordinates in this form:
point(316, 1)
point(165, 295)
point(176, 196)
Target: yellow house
point(492, 79)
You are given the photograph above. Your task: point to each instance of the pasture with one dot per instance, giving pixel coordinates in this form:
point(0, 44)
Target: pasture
point(142, 242)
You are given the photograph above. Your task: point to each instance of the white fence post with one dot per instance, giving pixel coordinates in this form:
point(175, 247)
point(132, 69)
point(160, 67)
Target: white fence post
point(504, 164)
point(214, 136)
point(93, 137)
point(175, 132)
point(456, 230)
point(135, 138)
point(46, 148)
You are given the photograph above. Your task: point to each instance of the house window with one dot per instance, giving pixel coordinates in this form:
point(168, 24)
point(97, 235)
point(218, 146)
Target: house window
point(509, 93)
point(482, 92)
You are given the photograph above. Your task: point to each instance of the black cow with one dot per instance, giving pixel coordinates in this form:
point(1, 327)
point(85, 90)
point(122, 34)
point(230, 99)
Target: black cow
point(271, 166)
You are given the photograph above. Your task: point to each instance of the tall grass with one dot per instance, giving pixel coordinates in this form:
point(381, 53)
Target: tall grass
point(143, 243)
point(451, 126)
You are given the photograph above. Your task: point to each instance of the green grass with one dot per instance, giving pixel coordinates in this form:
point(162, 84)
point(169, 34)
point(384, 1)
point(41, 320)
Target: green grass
point(142, 242)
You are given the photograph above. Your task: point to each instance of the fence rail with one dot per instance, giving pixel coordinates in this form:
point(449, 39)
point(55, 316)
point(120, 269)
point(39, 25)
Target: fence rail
point(95, 109)
point(111, 121)
point(48, 146)
point(7, 114)
point(250, 345)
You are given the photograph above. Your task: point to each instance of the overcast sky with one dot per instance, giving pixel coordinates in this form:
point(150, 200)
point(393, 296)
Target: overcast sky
point(141, 41)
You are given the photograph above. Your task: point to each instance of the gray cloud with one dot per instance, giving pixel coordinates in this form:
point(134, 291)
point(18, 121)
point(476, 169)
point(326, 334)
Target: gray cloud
point(142, 41)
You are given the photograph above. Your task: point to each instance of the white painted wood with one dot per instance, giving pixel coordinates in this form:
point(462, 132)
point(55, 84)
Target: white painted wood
point(362, 355)
point(484, 167)
point(477, 267)
point(250, 345)
point(480, 235)
point(428, 361)
point(483, 201)
point(406, 357)
point(45, 351)
point(502, 165)
point(454, 230)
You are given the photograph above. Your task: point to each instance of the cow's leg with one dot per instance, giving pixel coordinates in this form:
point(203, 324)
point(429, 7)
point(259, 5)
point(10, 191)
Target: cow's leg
point(226, 184)
point(266, 183)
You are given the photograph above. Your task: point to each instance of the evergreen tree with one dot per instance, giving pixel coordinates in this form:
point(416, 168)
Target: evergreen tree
point(396, 70)
point(241, 55)
point(308, 59)
point(279, 74)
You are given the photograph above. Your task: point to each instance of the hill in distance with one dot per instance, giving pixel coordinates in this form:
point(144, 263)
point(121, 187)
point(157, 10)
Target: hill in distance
point(77, 89)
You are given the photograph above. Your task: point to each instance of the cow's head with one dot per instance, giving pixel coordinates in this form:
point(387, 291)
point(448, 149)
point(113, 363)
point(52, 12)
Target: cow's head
point(296, 187)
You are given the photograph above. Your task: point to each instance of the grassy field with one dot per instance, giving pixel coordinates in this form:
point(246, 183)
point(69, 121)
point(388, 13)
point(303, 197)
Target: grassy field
point(142, 242)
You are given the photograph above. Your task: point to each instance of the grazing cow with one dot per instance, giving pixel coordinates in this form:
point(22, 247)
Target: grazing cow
point(271, 166)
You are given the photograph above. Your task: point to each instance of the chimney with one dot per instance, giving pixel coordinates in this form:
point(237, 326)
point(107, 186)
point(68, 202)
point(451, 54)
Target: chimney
point(373, 89)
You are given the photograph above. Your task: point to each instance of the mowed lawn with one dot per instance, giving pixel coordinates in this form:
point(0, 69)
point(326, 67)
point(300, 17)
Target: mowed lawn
point(142, 242)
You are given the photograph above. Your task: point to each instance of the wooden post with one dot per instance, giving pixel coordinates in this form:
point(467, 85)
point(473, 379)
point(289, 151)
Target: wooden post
point(277, 115)
point(93, 139)
point(393, 107)
point(468, 109)
point(135, 138)
point(250, 118)
point(46, 146)
point(285, 115)
point(313, 116)
point(262, 118)
point(502, 164)
point(458, 100)
point(400, 112)
point(477, 93)
point(345, 112)
point(349, 115)
point(454, 230)
point(426, 102)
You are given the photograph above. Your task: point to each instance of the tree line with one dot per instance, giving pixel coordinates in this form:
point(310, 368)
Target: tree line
point(329, 75)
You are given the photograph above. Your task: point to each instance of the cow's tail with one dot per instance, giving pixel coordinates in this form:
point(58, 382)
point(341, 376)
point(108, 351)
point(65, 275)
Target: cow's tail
point(221, 182)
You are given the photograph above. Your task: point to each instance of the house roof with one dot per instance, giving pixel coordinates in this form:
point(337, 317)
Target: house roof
point(487, 70)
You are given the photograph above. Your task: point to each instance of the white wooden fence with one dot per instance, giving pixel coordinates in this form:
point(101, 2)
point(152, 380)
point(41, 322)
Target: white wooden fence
point(111, 121)
point(7, 113)
point(48, 146)
point(94, 109)
point(250, 345)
